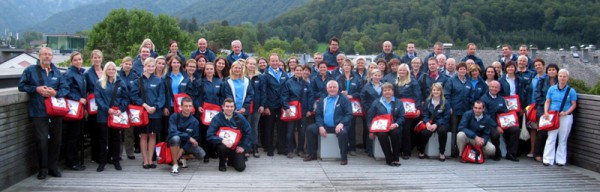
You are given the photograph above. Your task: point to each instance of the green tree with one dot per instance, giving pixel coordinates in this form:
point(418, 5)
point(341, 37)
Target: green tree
point(298, 46)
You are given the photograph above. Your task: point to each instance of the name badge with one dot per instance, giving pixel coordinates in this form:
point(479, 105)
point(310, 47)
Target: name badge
point(468, 87)
point(352, 83)
point(183, 84)
point(501, 104)
point(282, 78)
point(407, 85)
point(153, 85)
point(439, 110)
point(481, 126)
point(338, 105)
point(257, 81)
point(54, 78)
point(131, 82)
point(189, 130)
point(479, 88)
point(217, 86)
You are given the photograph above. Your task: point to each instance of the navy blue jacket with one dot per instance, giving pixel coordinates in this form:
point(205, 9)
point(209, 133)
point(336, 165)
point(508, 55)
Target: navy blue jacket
point(342, 113)
point(154, 94)
point(319, 87)
point(184, 87)
point(128, 80)
point(505, 89)
point(459, 94)
point(388, 57)
point(185, 128)
point(470, 126)
point(76, 81)
point(379, 109)
point(540, 93)
point(407, 60)
point(355, 85)
point(260, 96)
point(424, 66)
point(443, 114)
point(273, 88)
point(208, 54)
point(30, 81)
point(426, 82)
point(231, 59)
point(206, 91)
point(480, 89)
point(331, 58)
point(493, 107)
point(525, 79)
point(513, 57)
point(103, 98)
point(477, 60)
point(390, 78)
point(228, 91)
point(220, 121)
point(90, 79)
point(368, 95)
point(138, 66)
point(291, 92)
point(410, 90)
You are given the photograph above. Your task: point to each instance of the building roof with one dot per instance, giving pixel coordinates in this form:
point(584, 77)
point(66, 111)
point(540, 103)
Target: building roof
point(20, 61)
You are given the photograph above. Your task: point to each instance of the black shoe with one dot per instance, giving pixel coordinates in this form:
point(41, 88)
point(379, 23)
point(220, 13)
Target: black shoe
point(77, 167)
point(42, 175)
point(54, 173)
point(146, 166)
point(100, 168)
point(118, 166)
point(405, 157)
point(423, 156)
point(136, 150)
point(222, 168)
point(512, 158)
point(153, 166)
point(131, 157)
point(270, 153)
point(497, 158)
point(206, 159)
point(546, 164)
point(560, 165)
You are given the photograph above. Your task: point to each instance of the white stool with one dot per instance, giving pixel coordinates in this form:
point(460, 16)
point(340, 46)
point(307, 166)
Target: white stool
point(432, 148)
point(329, 148)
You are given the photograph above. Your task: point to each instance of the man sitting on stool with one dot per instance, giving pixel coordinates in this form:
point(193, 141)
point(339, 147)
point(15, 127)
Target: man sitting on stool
point(183, 131)
point(234, 157)
point(475, 127)
point(334, 114)
point(494, 105)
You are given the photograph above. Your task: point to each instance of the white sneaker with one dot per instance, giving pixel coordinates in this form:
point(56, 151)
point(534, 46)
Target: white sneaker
point(174, 170)
point(183, 163)
point(529, 155)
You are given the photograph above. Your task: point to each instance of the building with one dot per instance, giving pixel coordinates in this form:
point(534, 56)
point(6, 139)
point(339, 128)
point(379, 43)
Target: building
point(66, 43)
point(22, 60)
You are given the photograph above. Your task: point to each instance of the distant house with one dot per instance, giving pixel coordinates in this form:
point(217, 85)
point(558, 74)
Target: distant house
point(20, 61)
point(66, 43)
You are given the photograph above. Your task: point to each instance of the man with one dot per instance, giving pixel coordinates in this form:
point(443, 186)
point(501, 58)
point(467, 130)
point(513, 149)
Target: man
point(318, 58)
point(392, 76)
point(525, 76)
point(42, 81)
point(410, 55)
point(524, 50)
point(450, 68)
point(438, 48)
point(203, 50)
point(275, 79)
point(227, 152)
point(138, 64)
point(494, 105)
point(337, 72)
point(237, 52)
point(433, 76)
point(471, 49)
point(330, 55)
point(507, 55)
point(334, 115)
point(183, 132)
point(474, 128)
point(387, 52)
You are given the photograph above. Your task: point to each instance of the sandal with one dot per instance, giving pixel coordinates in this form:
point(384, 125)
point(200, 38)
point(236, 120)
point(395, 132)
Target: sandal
point(442, 157)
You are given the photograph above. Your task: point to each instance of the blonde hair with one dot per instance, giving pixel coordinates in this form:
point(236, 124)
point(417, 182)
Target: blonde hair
point(97, 52)
point(369, 72)
point(104, 77)
point(406, 80)
point(147, 40)
point(75, 53)
point(126, 59)
point(442, 98)
point(256, 71)
point(241, 62)
point(164, 70)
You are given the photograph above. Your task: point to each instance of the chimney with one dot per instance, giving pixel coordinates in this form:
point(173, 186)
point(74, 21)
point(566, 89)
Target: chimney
point(533, 49)
point(447, 47)
point(563, 59)
point(586, 54)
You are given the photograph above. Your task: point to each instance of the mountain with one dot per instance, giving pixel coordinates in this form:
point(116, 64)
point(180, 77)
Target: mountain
point(19, 14)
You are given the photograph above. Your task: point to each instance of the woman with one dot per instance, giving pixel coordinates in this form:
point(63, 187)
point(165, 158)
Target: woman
point(498, 67)
point(319, 82)
point(370, 92)
point(416, 63)
point(175, 83)
point(221, 68)
point(540, 93)
point(238, 88)
point(296, 89)
point(479, 86)
point(392, 74)
point(292, 62)
point(207, 90)
point(554, 101)
point(174, 50)
point(408, 88)
point(388, 104)
point(470, 62)
point(258, 84)
point(382, 66)
point(72, 130)
point(161, 67)
point(436, 115)
point(262, 64)
point(91, 77)
point(458, 92)
point(490, 75)
point(127, 76)
point(110, 92)
point(148, 43)
point(539, 65)
point(361, 69)
point(306, 75)
point(152, 97)
point(350, 86)
point(200, 63)
point(510, 82)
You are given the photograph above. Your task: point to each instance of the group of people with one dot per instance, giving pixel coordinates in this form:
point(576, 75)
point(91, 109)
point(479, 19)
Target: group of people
point(250, 96)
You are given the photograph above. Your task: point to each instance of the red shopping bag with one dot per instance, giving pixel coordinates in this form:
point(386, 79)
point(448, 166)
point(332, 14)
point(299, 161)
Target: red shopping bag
point(513, 103)
point(56, 106)
point(120, 121)
point(210, 111)
point(381, 123)
point(296, 113)
point(508, 120)
point(163, 153)
point(230, 135)
point(410, 108)
point(421, 126)
point(357, 109)
point(531, 114)
point(75, 111)
point(92, 106)
point(552, 123)
point(472, 154)
point(138, 116)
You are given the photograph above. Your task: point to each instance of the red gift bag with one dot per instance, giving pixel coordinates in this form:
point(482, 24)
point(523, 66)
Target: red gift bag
point(508, 120)
point(230, 135)
point(513, 103)
point(552, 123)
point(421, 126)
point(472, 154)
point(177, 102)
point(56, 106)
point(163, 153)
point(138, 116)
point(296, 113)
point(251, 110)
point(210, 111)
point(120, 121)
point(357, 109)
point(92, 106)
point(410, 108)
point(381, 123)
point(75, 110)
point(531, 114)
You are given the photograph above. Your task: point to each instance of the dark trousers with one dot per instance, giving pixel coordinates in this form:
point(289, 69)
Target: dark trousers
point(91, 125)
point(290, 135)
point(236, 160)
point(110, 141)
point(442, 138)
point(540, 143)
point(48, 135)
point(313, 134)
point(273, 121)
point(367, 142)
point(454, 121)
point(511, 136)
point(72, 138)
point(352, 135)
point(390, 150)
point(207, 146)
point(407, 136)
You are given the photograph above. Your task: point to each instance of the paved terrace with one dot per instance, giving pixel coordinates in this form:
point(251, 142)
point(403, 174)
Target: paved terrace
point(279, 173)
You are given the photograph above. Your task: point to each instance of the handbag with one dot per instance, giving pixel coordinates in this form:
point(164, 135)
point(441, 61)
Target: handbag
point(422, 125)
point(163, 153)
point(553, 121)
point(410, 108)
point(75, 110)
point(513, 103)
point(54, 106)
point(296, 113)
point(472, 154)
point(120, 121)
point(210, 111)
point(507, 120)
point(92, 106)
point(138, 116)
point(531, 114)
point(357, 109)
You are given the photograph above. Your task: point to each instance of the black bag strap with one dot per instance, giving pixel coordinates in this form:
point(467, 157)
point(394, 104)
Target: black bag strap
point(141, 85)
point(302, 83)
point(169, 88)
point(237, 121)
point(393, 110)
point(477, 154)
point(114, 94)
point(562, 105)
point(39, 73)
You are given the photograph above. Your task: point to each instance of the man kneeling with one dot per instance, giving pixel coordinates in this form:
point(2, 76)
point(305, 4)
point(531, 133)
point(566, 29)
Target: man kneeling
point(475, 128)
point(183, 131)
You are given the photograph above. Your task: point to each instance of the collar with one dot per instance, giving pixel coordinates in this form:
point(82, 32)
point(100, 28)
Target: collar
point(478, 118)
point(227, 117)
point(333, 97)
point(384, 101)
point(492, 96)
point(558, 87)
